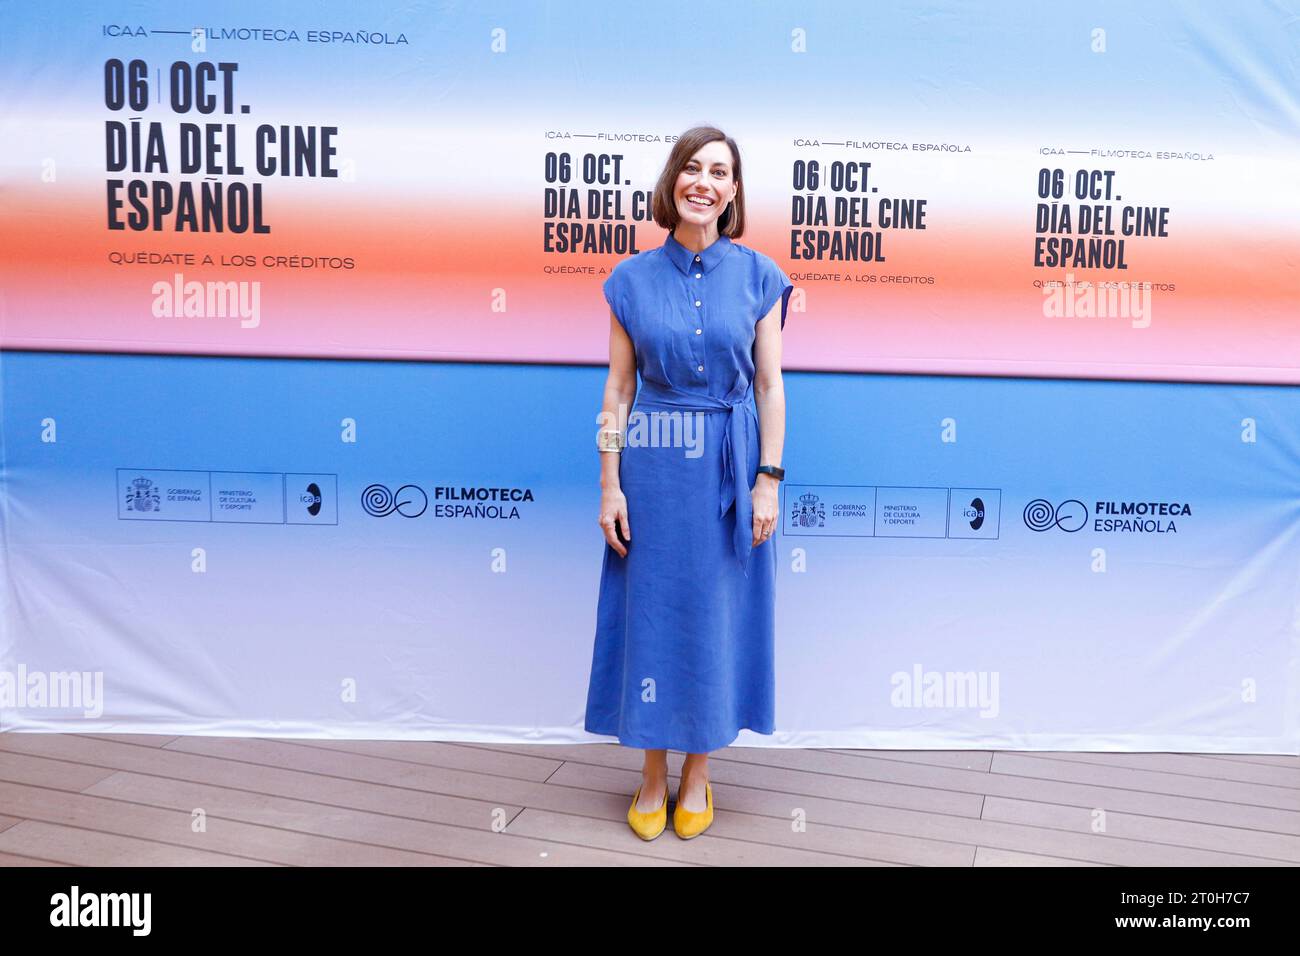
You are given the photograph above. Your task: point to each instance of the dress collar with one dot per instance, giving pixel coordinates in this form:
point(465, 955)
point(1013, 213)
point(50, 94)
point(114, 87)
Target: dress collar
point(684, 258)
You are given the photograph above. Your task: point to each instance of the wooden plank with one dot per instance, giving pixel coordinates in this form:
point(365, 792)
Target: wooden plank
point(332, 792)
point(1270, 760)
point(714, 848)
point(223, 835)
point(1192, 765)
point(960, 759)
point(617, 755)
point(81, 847)
point(44, 772)
point(448, 756)
point(1148, 782)
point(1149, 829)
point(867, 764)
point(767, 816)
point(1050, 780)
point(142, 740)
point(305, 773)
point(13, 859)
point(607, 755)
point(869, 781)
point(480, 843)
point(989, 856)
point(838, 804)
point(566, 804)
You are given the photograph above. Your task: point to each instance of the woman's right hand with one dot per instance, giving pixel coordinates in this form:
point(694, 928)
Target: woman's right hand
point(613, 508)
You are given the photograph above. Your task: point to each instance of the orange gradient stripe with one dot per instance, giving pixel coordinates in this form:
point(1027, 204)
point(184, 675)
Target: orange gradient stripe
point(430, 275)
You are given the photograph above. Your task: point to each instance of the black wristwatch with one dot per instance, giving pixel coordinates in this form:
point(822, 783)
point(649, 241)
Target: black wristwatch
point(774, 470)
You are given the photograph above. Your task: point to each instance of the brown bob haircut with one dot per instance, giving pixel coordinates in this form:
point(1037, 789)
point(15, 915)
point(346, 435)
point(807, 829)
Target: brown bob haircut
point(664, 208)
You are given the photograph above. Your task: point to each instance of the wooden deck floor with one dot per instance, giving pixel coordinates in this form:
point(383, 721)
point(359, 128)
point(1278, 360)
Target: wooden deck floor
point(102, 800)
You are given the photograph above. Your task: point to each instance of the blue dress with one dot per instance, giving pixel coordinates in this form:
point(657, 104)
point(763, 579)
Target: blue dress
point(685, 630)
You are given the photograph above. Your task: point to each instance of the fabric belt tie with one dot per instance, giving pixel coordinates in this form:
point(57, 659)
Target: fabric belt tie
point(735, 452)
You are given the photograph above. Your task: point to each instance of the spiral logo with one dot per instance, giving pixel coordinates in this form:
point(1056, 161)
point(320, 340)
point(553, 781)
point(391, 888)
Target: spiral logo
point(1039, 514)
point(409, 501)
point(1069, 515)
point(377, 500)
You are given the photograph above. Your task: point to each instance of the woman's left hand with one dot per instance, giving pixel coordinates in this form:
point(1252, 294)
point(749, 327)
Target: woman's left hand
point(765, 508)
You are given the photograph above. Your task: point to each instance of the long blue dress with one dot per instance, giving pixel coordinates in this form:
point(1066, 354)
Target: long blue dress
point(685, 633)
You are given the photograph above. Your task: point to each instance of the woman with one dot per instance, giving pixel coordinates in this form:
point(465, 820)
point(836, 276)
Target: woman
point(684, 643)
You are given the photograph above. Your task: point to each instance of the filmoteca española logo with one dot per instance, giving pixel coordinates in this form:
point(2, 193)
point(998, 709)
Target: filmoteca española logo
point(1139, 517)
point(409, 501)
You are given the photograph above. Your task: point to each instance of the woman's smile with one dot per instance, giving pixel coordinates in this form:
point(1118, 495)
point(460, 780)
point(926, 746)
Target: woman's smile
point(705, 185)
point(699, 206)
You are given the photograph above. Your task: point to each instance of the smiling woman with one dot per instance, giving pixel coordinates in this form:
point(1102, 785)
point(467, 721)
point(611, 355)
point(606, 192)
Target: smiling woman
point(707, 188)
point(685, 634)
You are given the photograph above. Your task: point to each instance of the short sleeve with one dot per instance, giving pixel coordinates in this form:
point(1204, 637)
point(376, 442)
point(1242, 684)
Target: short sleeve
point(613, 289)
point(776, 285)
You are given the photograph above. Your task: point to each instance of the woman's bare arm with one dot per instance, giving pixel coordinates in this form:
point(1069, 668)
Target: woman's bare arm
point(769, 400)
point(620, 390)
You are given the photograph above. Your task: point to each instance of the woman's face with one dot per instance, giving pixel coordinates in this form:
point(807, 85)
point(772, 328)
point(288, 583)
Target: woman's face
point(705, 184)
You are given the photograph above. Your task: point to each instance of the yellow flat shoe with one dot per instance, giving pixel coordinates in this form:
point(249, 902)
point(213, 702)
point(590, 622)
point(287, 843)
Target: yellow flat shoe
point(648, 825)
point(690, 825)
